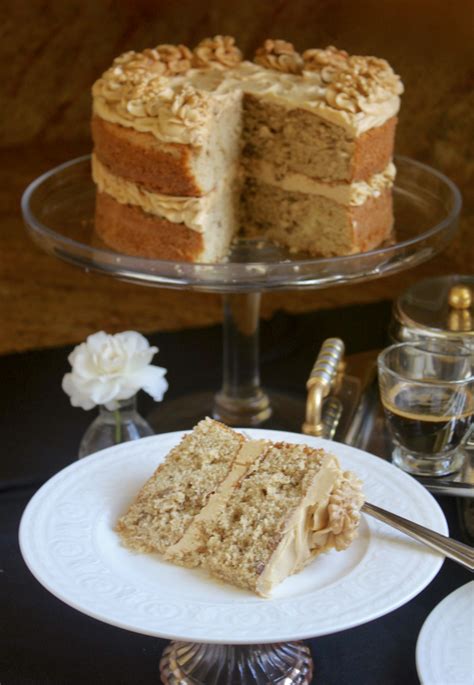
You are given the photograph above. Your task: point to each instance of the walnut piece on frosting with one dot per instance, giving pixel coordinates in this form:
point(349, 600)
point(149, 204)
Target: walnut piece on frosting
point(219, 51)
point(353, 83)
point(164, 60)
point(279, 55)
point(176, 57)
point(327, 62)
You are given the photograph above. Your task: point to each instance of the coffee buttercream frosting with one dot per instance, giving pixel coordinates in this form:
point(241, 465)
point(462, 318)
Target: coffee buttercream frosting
point(170, 91)
point(327, 518)
point(190, 211)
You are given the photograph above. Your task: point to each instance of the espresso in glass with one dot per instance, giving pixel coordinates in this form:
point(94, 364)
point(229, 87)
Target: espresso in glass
point(427, 391)
point(422, 429)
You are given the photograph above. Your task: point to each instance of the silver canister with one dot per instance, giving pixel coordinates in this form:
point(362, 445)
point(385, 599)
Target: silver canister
point(440, 307)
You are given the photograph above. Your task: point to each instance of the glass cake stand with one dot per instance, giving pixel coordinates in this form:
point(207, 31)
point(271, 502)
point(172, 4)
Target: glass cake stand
point(58, 209)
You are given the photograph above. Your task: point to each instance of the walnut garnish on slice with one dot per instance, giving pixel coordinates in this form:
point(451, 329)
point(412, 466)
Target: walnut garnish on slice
point(219, 51)
point(279, 55)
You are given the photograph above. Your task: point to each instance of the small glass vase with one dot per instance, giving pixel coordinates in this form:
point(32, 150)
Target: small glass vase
point(113, 427)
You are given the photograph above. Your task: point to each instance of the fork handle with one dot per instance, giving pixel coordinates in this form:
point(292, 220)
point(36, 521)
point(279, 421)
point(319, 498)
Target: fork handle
point(457, 551)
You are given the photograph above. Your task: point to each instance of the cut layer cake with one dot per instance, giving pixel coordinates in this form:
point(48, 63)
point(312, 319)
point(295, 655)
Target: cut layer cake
point(192, 148)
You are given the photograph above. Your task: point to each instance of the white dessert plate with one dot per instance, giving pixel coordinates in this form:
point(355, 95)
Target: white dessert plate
point(445, 647)
point(68, 542)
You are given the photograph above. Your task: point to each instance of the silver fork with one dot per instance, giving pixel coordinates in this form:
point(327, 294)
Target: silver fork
point(457, 551)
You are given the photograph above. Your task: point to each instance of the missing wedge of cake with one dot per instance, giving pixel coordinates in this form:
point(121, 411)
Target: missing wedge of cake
point(250, 512)
point(192, 148)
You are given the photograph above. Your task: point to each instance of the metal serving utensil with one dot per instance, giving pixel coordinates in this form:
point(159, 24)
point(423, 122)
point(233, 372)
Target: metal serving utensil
point(457, 551)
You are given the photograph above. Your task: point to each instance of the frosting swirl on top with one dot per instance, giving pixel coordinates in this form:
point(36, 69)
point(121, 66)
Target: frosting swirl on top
point(172, 92)
point(219, 52)
point(279, 55)
point(352, 83)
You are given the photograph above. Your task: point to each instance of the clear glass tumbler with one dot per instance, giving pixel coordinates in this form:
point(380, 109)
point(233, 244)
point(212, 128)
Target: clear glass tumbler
point(427, 391)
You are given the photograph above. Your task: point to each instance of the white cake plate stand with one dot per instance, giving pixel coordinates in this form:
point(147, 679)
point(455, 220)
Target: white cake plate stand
point(222, 635)
point(58, 209)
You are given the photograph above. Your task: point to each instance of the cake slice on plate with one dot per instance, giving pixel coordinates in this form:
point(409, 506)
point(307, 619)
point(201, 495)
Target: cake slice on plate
point(250, 512)
point(272, 516)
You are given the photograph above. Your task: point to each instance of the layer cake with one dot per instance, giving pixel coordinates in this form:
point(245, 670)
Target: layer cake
point(193, 147)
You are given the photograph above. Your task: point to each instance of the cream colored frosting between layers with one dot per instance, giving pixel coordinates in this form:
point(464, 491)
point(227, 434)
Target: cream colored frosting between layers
point(353, 194)
point(247, 454)
point(193, 212)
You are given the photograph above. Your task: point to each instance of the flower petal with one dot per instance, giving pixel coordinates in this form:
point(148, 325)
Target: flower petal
point(152, 381)
point(77, 396)
point(104, 392)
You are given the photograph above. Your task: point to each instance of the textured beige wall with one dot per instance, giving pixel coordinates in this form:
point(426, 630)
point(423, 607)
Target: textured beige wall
point(51, 52)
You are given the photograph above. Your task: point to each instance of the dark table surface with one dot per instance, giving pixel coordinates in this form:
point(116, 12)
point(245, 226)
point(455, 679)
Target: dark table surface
point(44, 640)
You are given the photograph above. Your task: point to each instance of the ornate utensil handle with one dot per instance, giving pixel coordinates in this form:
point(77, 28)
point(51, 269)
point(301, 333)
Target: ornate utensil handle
point(457, 551)
point(322, 379)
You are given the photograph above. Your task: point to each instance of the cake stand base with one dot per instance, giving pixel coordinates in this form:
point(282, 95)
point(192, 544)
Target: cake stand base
point(286, 412)
point(189, 663)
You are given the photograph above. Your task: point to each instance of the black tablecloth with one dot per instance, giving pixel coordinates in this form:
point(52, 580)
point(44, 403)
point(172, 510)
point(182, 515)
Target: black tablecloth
point(46, 641)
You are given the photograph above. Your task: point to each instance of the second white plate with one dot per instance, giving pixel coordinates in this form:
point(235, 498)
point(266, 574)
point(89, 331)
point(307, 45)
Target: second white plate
point(445, 647)
point(68, 542)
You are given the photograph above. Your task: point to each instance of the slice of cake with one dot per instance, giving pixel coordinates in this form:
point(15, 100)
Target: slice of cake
point(192, 147)
point(250, 512)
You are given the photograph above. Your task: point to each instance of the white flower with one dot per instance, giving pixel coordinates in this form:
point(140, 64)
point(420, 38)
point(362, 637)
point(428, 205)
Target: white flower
point(109, 368)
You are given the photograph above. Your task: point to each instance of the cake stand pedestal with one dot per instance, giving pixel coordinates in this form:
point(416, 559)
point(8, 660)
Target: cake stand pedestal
point(58, 209)
point(188, 663)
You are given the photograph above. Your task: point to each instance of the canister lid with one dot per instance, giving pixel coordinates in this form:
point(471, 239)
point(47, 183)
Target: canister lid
point(436, 307)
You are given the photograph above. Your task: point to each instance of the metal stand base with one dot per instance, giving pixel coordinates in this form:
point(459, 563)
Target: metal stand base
point(188, 663)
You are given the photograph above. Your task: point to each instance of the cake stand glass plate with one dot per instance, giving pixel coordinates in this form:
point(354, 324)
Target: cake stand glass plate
point(58, 209)
point(445, 647)
point(68, 542)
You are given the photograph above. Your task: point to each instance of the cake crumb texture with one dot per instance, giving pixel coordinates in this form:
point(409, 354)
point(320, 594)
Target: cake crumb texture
point(179, 488)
